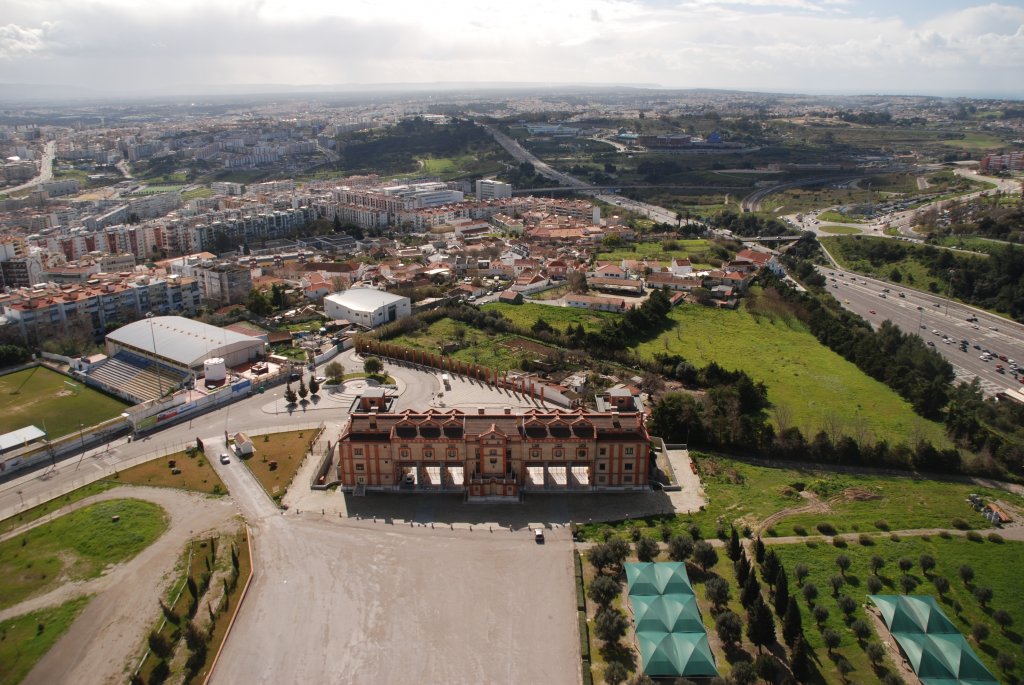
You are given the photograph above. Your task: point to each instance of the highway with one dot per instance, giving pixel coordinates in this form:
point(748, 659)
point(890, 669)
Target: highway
point(923, 313)
point(45, 169)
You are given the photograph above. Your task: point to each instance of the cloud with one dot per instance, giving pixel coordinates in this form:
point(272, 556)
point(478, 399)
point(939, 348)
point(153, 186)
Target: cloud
point(792, 45)
point(20, 41)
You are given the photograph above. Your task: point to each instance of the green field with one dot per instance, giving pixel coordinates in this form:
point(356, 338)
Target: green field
point(493, 351)
point(655, 250)
point(39, 396)
point(37, 512)
point(526, 315)
point(839, 217)
point(77, 546)
point(989, 561)
point(840, 230)
point(26, 639)
point(457, 166)
point(809, 385)
point(747, 494)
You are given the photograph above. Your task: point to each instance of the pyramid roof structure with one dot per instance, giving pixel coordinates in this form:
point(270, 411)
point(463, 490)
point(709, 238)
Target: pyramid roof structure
point(937, 651)
point(669, 629)
point(657, 578)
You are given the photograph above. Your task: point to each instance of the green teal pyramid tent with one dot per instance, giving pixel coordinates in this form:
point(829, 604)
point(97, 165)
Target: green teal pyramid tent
point(676, 654)
point(668, 613)
point(936, 650)
point(662, 578)
point(913, 614)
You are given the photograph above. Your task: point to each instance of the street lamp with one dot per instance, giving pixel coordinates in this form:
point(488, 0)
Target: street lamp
point(152, 337)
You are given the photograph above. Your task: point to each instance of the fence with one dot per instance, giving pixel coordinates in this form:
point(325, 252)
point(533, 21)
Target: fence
point(322, 450)
point(535, 388)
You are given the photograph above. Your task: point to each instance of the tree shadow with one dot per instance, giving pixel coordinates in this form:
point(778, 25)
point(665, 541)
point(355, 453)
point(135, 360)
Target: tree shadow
point(620, 653)
point(735, 654)
point(852, 580)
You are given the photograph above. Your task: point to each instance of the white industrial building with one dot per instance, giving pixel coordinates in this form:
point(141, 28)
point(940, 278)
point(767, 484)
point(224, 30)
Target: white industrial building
point(183, 343)
point(367, 307)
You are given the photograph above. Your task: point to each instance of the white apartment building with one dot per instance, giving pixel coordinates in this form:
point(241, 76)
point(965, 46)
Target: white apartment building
point(489, 189)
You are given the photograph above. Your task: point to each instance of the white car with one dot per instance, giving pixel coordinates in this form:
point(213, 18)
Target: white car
point(224, 458)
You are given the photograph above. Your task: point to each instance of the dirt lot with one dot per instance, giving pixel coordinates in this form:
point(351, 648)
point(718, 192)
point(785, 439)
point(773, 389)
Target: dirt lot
point(112, 628)
point(357, 602)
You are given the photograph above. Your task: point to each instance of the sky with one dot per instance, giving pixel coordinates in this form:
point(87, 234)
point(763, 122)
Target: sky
point(144, 47)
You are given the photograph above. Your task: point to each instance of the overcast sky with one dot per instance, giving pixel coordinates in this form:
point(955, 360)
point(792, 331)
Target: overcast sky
point(854, 46)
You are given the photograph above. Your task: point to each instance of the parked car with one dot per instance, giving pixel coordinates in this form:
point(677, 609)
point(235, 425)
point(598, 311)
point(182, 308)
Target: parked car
point(224, 458)
point(538, 536)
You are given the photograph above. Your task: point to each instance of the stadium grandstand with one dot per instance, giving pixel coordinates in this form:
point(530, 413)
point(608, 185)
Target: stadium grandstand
point(151, 357)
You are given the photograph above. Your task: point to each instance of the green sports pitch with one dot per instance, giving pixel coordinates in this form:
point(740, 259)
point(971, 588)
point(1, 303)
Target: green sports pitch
point(51, 401)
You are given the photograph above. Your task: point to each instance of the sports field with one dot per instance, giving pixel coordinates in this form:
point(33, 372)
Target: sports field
point(40, 397)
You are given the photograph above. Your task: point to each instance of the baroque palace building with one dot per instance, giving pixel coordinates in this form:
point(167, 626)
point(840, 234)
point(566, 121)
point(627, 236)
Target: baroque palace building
point(494, 455)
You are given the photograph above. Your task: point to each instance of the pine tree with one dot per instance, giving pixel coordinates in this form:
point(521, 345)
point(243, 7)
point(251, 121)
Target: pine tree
point(781, 592)
point(792, 623)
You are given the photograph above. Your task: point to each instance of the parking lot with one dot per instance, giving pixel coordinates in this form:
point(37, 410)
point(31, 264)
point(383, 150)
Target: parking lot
point(363, 602)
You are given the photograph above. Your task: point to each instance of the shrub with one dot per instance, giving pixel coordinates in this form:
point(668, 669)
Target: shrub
point(974, 536)
point(839, 542)
point(770, 532)
point(826, 528)
point(945, 534)
point(996, 538)
point(894, 537)
point(874, 585)
point(799, 530)
point(960, 524)
point(865, 540)
point(882, 524)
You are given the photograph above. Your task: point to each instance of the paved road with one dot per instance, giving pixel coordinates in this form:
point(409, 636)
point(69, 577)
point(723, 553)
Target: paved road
point(45, 169)
point(921, 313)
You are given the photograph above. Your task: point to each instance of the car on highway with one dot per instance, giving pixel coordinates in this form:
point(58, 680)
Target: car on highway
point(931, 343)
point(903, 295)
point(224, 458)
point(934, 332)
point(871, 311)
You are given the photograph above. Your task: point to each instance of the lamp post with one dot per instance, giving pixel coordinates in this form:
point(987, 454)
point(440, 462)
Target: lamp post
point(152, 337)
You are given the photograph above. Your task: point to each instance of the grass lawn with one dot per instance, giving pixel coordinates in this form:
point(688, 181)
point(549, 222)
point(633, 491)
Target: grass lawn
point(196, 474)
point(26, 639)
point(847, 230)
point(77, 546)
point(526, 314)
point(38, 396)
point(989, 561)
point(839, 217)
point(196, 194)
point(492, 351)
point(655, 250)
point(808, 384)
point(747, 494)
point(286, 450)
point(45, 508)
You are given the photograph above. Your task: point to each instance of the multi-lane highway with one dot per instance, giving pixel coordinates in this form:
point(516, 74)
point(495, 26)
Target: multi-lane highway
point(934, 317)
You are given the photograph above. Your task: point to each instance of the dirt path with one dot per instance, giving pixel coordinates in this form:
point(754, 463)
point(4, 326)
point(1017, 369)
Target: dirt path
point(109, 632)
point(813, 506)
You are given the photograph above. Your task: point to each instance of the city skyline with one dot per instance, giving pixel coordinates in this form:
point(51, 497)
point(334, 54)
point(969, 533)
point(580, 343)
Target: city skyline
point(129, 48)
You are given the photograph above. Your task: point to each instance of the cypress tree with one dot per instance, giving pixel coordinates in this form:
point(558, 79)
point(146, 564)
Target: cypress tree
point(759, 550)
point(781, 592)
point(798, 661)
point(770, 568)
point(751, 591)
point(742, 567)
point(792, 623)
point(734, 545)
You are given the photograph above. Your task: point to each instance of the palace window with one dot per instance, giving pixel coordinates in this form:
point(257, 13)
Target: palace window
point(535, 453)
point(428, 453)
point(358, 451)
point(359, 467)
point(559, 454)
point(629, 451)
point(627, 467)
point(602, 466)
